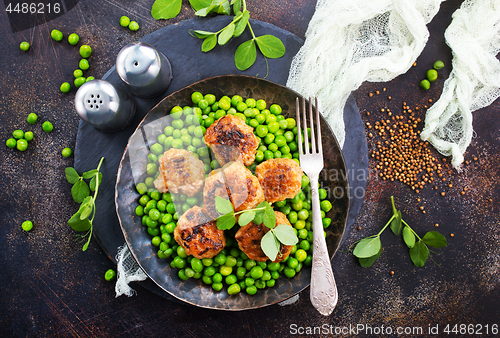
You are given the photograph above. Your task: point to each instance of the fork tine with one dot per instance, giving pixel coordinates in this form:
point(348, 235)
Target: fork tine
point(306, 137)
point(311, 121)
point(297, 104)
point(318, 126)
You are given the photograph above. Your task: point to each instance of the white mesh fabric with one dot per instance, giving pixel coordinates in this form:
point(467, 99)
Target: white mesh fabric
point(128, 271)
point(348, 42)
point(474, 38)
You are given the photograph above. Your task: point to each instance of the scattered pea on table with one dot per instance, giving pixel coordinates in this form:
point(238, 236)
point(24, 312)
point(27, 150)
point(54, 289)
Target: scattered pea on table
point(27, 225)
point(47, 127)
point(56, 35)
point(65, 87)
point(66, 152)
point(85, 51)
point(32, 118)
point(124, 21)
point(24, 46)
point(73, 39)
point(110, 275)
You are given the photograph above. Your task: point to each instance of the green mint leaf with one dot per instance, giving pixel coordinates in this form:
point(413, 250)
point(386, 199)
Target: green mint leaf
point(270, 46)
point(269, 217)
point(226, 34)
point(367, 247)
point(223, 206)
point(78, 224)
point(270, 245)
point(86, 211)
point(204, 11)
point(258, 217)
point(246, 218)
point(202, 34)
point(224, 8)
point(419, 254)
point(285, 234)
point(396, 224)
point(199, 4)
point(245, 55)
point(226, 222)
point(236, 6)
point(80, 191)
point(209, 43)
point(92, 184)
point(241, 24)
point(408, 237)
point(166, 9)
point(435, 239)
point(71, 175)
point(89, 174)
point(366, 262)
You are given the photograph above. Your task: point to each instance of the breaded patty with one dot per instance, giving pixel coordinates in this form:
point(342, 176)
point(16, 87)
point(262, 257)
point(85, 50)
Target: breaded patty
point(198, 234)
point(281, 178)
point(250, 235)
point(233, 182)
point(244, 188)
point(182, 172)
point(215, 185)
point(231, 139)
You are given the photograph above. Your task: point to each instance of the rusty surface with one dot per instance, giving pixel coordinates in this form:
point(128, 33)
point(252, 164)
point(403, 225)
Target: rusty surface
point(51, 288)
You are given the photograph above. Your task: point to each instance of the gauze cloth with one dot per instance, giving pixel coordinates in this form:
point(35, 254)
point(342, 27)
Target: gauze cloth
point(128, 271)
point(474, 82)
point(349, 42)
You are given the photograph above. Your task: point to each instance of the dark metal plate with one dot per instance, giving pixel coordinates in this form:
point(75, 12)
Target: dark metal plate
point(194, 291)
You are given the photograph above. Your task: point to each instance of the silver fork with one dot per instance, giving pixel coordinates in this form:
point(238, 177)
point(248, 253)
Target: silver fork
point(324, 294)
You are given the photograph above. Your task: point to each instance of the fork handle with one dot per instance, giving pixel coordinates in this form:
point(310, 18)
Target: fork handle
point(324, 293)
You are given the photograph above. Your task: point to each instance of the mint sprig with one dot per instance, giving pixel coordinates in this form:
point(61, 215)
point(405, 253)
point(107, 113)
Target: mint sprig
point(370, 248)
point(263, 213)
point(80, 191)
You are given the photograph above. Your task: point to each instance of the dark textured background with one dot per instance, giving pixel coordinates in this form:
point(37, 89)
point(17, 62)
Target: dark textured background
point(50, 288)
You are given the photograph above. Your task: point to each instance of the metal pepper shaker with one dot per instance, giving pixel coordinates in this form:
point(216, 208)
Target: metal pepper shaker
point(105, 106)
point(145, 71)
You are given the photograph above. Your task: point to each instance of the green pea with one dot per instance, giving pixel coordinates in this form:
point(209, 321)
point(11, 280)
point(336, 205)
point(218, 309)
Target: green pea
point(432, 75)
point(156, 195)
point(230, 261)
point(56, 35)
point(65, 88)
point(225, 270)
point(251, 290)
point(27, 225)
point(326, 222)
point(124, 21)
point(73, 39)
point(256, 272)
point(85, 51)
point(289, 272)
point(22, 144)
point(18, 134)
point(210, 98)
point(11, 143)
point(300, 224)
point(208, 122)
point(217, 286)
point(181, 252)
point(233, 289)
point(280, 140)
point(79, 81)
point(220, 258)
point(84, 64)
point(66, 152)
point(269, 138)
point(24, 46)
point(241, 106)
point(156, 240)
point(225, 103)
point(425, 84)
point(182, 275)
point(438, 64)
point(293, 217)
point(110, 275)
point(304, 245)
point(302, 233)
point(90, 78)
point(157, 149)
point(326, 205)
point(249, 264)
point(133, 26)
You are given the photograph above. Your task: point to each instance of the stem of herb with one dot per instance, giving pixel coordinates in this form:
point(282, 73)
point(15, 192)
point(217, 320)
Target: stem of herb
point(385, 226)
point(242, 211)
point(411, 230)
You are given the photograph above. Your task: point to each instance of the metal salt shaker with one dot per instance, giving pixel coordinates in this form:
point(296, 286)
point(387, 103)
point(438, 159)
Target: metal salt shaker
point(145, 71)
point(105, 106)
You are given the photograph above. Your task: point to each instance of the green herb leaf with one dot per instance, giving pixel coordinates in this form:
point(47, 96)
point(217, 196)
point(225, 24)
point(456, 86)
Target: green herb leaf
point(204, 11)
point(209, 43)
point(86, 245)
point(226, 222)
point(246, 218)
point(245, 55)
point(396, 224)
point(269, 217)
point(223, 8)
point(270, 46)
point(78, 224)
point(202, 34)
point(71, 175)
point(419, 254)
point(226, 34)
point(166, 9)
point(408, 237)
point(86, 211)
point(367, 247)
point(434, 239)
point(285, 234)
point(259, 214)
point(241, 24)
point(366, 262)
point(80, 191)
point(89, 174)
point(93, 182)
point(236, 6)
point(270, 245)
point(199, 4)
point(223, 206)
